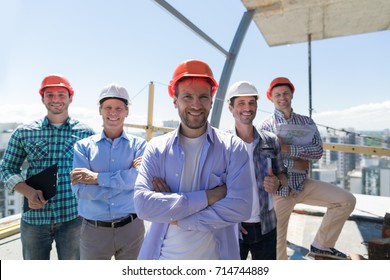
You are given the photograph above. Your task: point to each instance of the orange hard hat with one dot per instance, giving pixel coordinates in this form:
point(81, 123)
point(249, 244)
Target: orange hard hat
point(55, 81)
point(279, 81)
point(192, 68)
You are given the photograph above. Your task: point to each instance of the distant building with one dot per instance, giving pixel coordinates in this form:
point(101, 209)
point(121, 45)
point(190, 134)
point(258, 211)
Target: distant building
point(384, 182)
point(361, 174)
point(325, 175)
point(384, 174)
point(386, 138)
point(375, 177)
point(371, 180)
point(355, 181)
point(10, 203)
point(13, 203)
point(6, 130)
point(171, 123)
point(345, 162)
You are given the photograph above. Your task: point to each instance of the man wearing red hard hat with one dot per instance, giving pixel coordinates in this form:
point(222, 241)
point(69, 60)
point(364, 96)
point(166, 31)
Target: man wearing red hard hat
point(45, 143)
point(194, 183)
point(297, 153)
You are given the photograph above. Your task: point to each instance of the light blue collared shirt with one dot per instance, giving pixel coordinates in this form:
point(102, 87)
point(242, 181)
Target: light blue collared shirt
point(112, 198)
point(224, 160)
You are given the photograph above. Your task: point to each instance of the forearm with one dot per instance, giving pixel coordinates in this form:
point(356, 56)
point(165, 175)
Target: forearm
point(223, 213)
point(312, 151)
point(234, 208)
point(283, 180)
point(165, 207)
point(94, 192)
point(23, 189)
point(121, 179)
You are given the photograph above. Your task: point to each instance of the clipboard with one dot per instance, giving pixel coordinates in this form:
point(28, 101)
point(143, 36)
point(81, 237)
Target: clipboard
point(296, 134)
point(46, 181)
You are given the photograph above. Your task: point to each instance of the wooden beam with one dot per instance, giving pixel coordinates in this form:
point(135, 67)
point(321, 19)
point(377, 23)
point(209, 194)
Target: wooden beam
point(9, 231)
point(357, 149)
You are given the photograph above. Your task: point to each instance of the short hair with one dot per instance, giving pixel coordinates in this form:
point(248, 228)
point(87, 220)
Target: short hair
point(193, 78)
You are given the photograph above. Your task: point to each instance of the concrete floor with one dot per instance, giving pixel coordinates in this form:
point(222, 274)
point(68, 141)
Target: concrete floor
point(301, 231)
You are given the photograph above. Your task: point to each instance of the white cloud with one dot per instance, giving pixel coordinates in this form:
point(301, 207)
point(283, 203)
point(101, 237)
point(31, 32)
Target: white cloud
point(372, 116)
point(26, 113)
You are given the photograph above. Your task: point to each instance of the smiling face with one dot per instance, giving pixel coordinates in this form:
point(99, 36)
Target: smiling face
point(56, 99)
point(114, 113)
point(244, 109)
point(193, 102)
point(282, 96)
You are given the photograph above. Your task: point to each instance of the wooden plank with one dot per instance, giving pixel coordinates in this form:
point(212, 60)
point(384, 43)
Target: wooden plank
point(386, 226)
point(379, 249)
point(357, 149)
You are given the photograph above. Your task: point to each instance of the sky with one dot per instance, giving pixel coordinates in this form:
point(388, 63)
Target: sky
point(134, 43)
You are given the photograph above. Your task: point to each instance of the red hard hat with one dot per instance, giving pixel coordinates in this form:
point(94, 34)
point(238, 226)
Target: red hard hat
point(192, 68)
point(279, 81)
point(55, 81)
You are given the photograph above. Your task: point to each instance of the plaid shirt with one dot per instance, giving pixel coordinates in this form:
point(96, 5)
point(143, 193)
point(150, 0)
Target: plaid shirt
point(43, 145)
point(266, 145)
point(312, 151)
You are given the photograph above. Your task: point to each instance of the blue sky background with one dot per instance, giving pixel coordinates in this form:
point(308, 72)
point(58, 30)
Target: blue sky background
point(94, 43)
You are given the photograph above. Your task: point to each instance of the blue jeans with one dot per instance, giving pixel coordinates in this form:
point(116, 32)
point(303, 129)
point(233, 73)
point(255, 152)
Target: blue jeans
point(38, 239)
point(262, 247)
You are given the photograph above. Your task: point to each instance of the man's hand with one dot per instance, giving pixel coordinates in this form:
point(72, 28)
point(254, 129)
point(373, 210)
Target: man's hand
point(160, 185)
point(243, 230)
point(284, 148)
point(301, 164)
point(137, 162)
point(35, 197)
point(83, 176)
point(216, 194)
point(271, 182)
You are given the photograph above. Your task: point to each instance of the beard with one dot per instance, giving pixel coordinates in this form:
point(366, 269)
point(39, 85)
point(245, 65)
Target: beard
point(57, 110)
point(193, 122)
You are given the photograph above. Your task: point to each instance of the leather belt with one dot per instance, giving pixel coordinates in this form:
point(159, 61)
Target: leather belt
point(251, 224)
point(114, 224)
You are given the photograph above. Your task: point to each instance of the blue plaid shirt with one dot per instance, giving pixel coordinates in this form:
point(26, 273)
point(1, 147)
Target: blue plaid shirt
point(266, 145)
point(43, 145)
point(312, 151)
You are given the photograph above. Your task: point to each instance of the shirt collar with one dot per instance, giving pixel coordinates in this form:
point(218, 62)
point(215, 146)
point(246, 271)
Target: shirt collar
point(209, 131)
point(103, 136)
point(256, 135)
point(46, 121)
point(280, 114)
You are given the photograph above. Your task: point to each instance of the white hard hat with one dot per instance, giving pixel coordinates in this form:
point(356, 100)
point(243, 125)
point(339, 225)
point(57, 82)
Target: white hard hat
point(242, 88)
point(114, 91)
